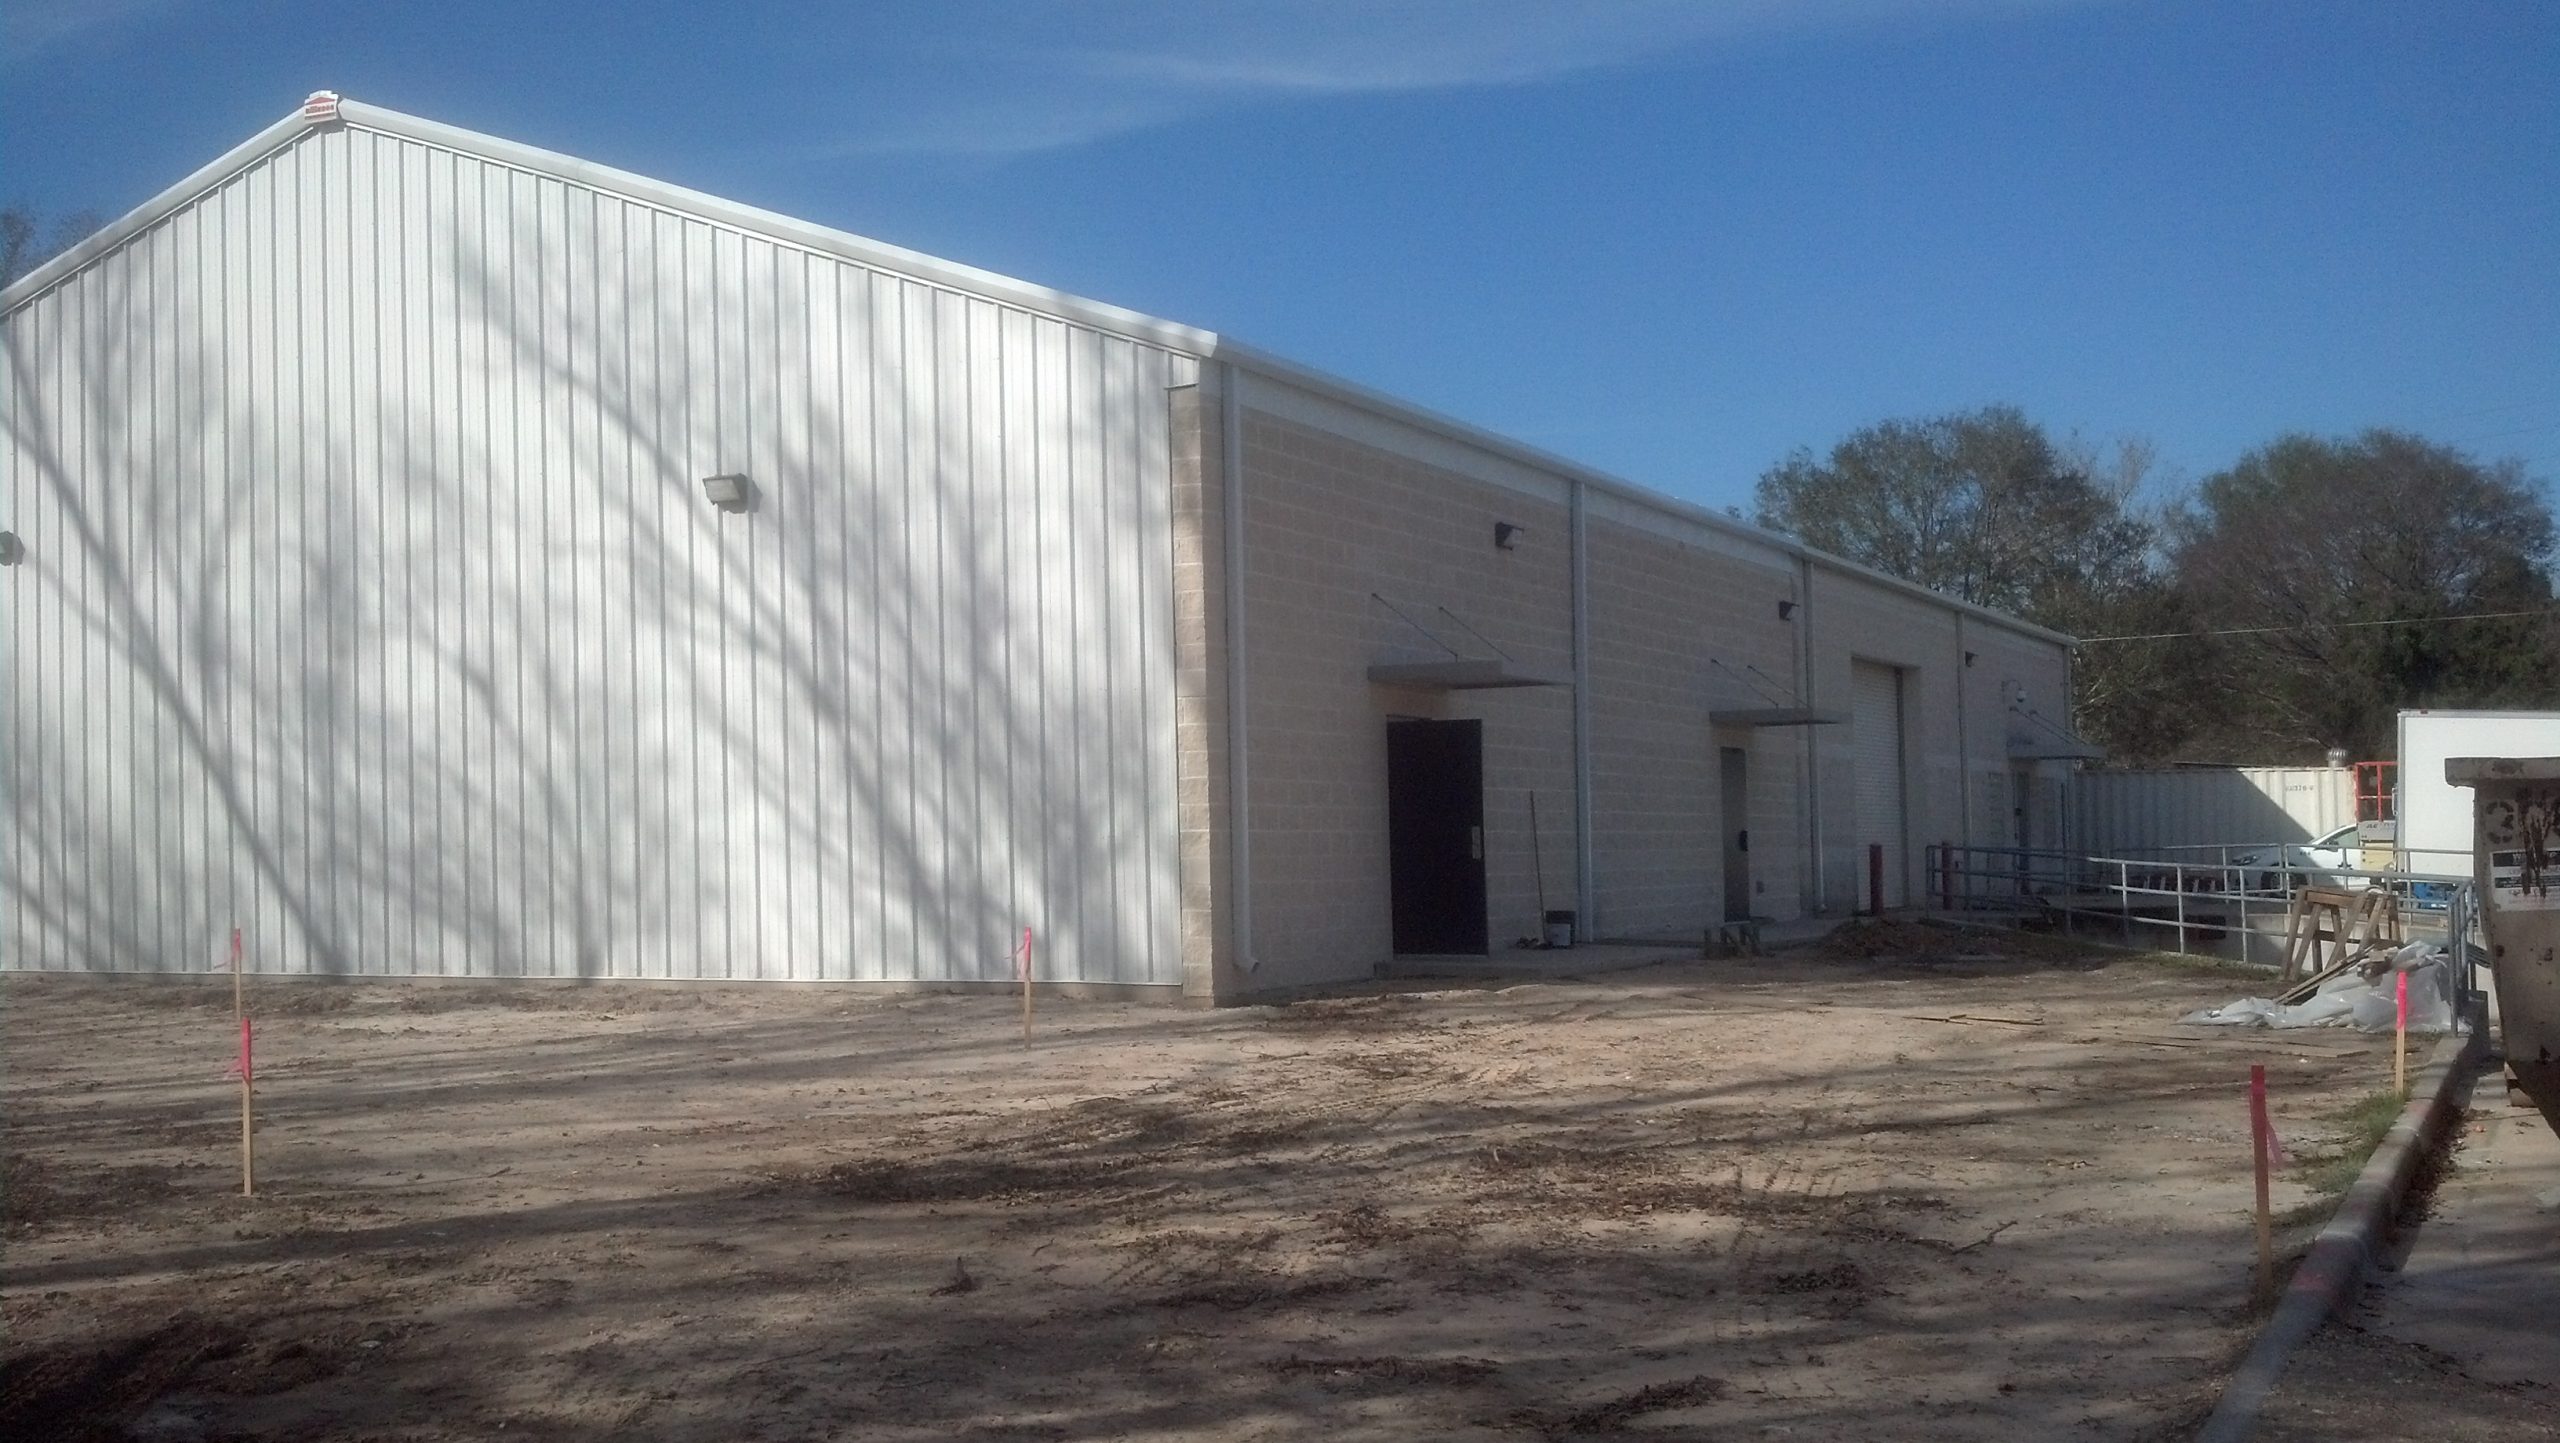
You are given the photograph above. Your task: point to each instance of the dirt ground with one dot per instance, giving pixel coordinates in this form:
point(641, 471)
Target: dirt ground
point(2472, 1265)
point(2351, 1384)
point(1940, 1194)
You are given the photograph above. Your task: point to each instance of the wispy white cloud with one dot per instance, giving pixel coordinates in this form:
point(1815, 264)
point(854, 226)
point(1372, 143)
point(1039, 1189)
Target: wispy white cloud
point(1016, 80)
point(29, 28)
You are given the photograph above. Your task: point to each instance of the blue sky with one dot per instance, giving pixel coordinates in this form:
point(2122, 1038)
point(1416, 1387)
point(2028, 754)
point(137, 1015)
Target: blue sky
point(1671, 240)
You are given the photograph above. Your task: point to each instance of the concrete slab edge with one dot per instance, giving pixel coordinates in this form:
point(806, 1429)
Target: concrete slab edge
point(2328, 1276)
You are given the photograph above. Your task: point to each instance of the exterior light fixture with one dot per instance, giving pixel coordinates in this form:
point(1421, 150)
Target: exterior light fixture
point(1968, 658)
point(1786, 609)
point(11, 550)
point(1506, 536)
point(729, 493)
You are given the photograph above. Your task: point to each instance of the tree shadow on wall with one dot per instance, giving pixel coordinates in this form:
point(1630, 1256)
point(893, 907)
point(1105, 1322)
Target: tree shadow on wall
point(448, 666)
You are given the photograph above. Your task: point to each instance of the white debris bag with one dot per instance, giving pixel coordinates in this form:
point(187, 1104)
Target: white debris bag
point(2368, 1004)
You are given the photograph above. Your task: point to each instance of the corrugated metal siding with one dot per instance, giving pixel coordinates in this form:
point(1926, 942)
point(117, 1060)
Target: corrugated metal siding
point(2138, 812)
point(372, 599)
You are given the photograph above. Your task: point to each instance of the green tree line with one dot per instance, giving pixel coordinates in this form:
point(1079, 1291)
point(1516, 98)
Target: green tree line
point(2293, 602)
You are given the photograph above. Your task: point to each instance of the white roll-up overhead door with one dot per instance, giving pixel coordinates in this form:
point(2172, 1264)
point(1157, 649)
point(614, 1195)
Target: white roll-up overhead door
point(1875, 724)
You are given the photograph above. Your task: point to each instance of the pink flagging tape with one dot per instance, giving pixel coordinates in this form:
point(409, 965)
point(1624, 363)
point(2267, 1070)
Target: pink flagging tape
point(2403, 990)
point(240, 1066)
point(1024, 952)
point(2261, 1123)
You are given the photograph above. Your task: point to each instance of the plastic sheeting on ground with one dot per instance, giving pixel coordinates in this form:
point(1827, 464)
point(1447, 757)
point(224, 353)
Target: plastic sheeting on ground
point(2351, 999)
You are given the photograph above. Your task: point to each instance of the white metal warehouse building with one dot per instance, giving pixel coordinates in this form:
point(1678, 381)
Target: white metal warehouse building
point(365, 585)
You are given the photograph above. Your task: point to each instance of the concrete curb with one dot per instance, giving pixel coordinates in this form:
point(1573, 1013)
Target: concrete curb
point(2339, 1257)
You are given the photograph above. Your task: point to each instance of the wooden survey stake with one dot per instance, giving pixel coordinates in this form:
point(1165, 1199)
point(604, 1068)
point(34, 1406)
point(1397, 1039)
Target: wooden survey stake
point(247, 1070)
point(1026, 984)
point(2400, 1037)
point(2261, 1138)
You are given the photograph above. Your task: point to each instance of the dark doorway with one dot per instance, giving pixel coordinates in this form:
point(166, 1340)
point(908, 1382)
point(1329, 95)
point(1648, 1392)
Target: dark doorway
point(1435, 836)
point(1737, 833)
point(2021, 795)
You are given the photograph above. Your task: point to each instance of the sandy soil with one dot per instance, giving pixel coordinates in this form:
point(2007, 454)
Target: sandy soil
point(1935, 1196)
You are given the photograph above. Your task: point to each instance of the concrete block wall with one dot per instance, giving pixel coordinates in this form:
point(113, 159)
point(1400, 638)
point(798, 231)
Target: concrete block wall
point(1370, 538)
point(1341, 537)
point(1957, 769)
point(1663, 612)
point(1202, 777)
point(2038, 672)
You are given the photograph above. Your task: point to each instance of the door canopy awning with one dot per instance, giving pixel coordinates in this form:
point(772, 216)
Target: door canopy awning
point(1777, 716)
point(1462, 674)
point(1771, 703)
point(2054, 749)
point(2033, 739)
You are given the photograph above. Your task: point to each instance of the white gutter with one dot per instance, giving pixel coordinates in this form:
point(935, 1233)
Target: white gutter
point(1964, 762)
point(1586, 907)
point(1812, 749)
point(1239, 809)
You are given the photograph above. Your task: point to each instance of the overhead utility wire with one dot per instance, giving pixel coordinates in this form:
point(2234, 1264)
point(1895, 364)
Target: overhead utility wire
point(2308, 626)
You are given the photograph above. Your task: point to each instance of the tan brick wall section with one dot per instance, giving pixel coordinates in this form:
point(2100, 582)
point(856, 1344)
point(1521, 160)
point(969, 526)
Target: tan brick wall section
point(1953, 759)
point(1201, 776)
point(1662, 613)
point(1328, 523)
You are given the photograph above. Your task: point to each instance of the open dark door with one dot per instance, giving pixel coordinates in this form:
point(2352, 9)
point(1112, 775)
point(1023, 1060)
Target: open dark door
point(1435, 836)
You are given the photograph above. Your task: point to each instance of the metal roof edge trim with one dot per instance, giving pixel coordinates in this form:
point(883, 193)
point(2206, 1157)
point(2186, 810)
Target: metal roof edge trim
point(1280, 368)
point(628, 185)
point(115, 233)
point(774, 225)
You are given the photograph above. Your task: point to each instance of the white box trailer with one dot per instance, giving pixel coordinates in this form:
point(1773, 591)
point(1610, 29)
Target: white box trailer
point(2434, 815)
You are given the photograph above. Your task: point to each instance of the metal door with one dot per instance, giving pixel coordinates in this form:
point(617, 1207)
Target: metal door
point(1435, 836)
point(1737, 833)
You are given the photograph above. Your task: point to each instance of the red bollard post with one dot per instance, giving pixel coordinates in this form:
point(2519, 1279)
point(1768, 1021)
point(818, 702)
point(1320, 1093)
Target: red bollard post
point(1875, 879)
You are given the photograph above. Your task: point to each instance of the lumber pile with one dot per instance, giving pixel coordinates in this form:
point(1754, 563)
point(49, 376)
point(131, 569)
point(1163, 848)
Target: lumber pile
point(2361, 929)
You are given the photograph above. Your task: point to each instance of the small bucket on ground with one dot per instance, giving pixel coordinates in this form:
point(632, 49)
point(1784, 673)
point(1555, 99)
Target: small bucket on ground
point(1560, 928)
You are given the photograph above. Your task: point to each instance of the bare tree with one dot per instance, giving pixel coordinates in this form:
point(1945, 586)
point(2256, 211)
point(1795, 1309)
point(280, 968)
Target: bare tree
point(27, 242)
point(1981, 505)
point(2319, 539)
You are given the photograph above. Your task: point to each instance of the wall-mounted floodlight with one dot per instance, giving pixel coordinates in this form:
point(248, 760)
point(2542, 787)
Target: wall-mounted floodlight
point(1786, 609)
point(1968, 658)
point(1507, 536)
point(11, 551)
point(729, 493)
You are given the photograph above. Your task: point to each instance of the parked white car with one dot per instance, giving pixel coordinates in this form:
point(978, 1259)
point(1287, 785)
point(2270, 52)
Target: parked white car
point(2319, 861)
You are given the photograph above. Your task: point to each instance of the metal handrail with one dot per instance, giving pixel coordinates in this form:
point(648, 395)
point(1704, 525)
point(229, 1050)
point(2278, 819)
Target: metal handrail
point(2047, 882)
